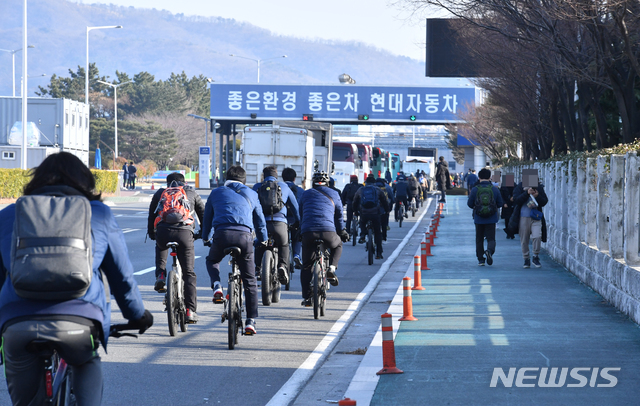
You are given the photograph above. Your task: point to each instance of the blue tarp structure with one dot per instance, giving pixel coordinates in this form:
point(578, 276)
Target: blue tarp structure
point(98, 161)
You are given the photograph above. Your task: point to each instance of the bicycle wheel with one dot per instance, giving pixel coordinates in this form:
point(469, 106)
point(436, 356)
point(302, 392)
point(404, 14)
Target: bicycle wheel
point(65, 395)
point(173, 312)
point(323, 291)
point(354, 225)
point(370, 247)
point(232, 313)
point(400, 216)
point(316, 289)
point(291, 267)
point(267, 277)
point(182, 310)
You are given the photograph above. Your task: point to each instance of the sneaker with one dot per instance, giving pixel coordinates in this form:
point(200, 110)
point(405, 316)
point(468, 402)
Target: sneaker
point(283, 275)
point(379, 256)
point(536, 262)
point(388, 228)
point(250, 327)
point(406, 215)
point(480, 263)
point(297, 262)
point(361, 240)
point(306, 302)
point(191, 317)
point(487, 253)
point(331, 276)
point(527, 263)
point(217, 293)
point(160, 283)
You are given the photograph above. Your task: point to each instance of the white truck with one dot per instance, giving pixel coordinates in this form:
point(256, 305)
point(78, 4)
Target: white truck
point(304, 147)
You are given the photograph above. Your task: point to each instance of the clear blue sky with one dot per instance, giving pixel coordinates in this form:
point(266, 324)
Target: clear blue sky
point(376, 22)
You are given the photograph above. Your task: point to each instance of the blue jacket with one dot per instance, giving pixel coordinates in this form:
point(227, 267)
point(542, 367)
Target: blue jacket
point(401, 189)
point(288, 198)
point(319, 213)
point(298, 194)
point(389, 192)
point(234, 206)
point(109, 253)
point(471, 202)
point(472, 179)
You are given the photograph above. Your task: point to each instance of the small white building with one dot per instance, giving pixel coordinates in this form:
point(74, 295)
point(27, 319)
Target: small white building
point(61, 125)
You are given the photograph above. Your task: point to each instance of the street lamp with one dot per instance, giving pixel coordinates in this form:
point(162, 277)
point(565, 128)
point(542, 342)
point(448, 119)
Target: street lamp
point(13, 70)
point(29, 76)
point(346, 79)
point(86, 72)
point(258, 61)
point(115, 105)
point(206, 123)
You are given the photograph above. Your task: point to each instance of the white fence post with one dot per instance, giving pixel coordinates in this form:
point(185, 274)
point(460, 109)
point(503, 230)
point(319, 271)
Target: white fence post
point(616, 202)
point(602, 232)
point(631, 209)
point(571, 196)
point(591, 198)
point(581, 198)
point(557, 172)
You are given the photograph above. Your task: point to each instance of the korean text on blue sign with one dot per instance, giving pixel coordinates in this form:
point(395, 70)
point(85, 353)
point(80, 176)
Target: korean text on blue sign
point(204, 151)
point(340, 103)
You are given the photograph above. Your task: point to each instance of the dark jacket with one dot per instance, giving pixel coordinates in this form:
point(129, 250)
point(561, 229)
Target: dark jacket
point(401, 189)
point(414, 186)
point(388, 191)
point(381, 208)
point(289, 200)
point(442, 175)
point(109, 254)
point(195, 205)
point(506, 193)
point(297, 192)
point(234, 206)
point(472, 180)
point(349, 192)
point(520, 197)
point(132, 171)
point(319, 212)
point(471, 202)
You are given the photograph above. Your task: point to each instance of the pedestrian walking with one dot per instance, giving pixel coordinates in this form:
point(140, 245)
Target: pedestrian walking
point(132, 175)
point(443, 178)
point(528, 221)
point(125, 175)
point(485, 200)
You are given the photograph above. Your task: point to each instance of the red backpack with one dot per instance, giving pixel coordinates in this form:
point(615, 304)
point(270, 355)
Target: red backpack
point(173, 207)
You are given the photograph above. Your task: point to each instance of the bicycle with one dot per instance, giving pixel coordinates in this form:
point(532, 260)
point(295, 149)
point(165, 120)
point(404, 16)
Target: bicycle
point(355, 220)
point(412, 206)
point(270, 284)
point(319, 279)
point(174, 298)
point(58, 375)
point(233, 302)
point(291, 263)
point(400, 216)
point(369, 247)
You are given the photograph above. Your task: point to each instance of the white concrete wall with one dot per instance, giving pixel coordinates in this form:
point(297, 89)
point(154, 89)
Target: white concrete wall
point(593, 223)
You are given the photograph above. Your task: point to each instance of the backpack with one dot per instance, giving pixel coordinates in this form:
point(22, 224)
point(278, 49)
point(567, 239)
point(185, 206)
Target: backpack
point(51, 254)
point(369, 197)
point(270, 196)
point(173, 207)
point(485, 202)
point(294, 189)
point(384, 190)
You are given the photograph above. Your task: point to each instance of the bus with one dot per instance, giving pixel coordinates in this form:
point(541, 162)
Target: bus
point(346, 162)
point(366, 157)
point(396, 166)
point(381, 160)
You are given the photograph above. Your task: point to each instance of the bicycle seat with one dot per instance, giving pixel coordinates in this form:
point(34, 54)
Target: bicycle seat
point(172, 245)
point(234, 251)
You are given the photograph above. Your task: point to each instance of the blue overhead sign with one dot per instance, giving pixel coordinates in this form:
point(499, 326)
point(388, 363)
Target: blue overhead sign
point(341, 103)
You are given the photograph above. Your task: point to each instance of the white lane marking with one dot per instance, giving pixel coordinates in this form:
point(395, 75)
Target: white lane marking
point(152, 268)
point(129, 230)
point(291, 389)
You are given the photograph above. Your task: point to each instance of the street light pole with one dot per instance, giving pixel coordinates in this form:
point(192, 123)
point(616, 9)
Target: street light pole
point(13, 66)
point(258, 61)
point(86, 72)
point(115, 109)
point(29, 76)
point(23, 159)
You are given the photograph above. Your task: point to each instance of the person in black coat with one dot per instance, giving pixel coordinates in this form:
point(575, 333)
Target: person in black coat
point(523, 221)
point(507, 209)
point(443, 178)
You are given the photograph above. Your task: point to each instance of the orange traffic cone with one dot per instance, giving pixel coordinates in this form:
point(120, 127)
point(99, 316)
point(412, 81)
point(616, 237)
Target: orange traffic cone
point(407, 304)
point(347, 402)
point(153, 186)
point(423, 258)
point(388, 348)
point(417, 273)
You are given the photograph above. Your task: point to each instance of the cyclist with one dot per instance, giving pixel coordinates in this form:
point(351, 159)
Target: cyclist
point(234, 212)
point(182, 232)
point(401, 193)
point(348, 193)
point(384, 218)
point(76, 327)
point(370, 202)
point(321, 214)
point(289, 177)
point(277, 221)
point(414, 189)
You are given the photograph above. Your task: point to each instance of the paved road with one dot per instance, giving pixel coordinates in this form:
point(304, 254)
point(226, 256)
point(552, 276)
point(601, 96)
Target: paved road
point(196, 367)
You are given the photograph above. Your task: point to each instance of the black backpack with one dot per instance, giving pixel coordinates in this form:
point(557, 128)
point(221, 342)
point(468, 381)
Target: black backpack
point(485, 205)
point(369, 198)
point(51, 256)
point(270, 196)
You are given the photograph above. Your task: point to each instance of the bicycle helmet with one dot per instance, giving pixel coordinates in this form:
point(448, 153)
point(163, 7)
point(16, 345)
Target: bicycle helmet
point(320, 178)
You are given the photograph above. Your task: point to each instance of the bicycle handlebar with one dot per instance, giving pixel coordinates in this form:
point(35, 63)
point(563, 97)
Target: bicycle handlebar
point(115, 330)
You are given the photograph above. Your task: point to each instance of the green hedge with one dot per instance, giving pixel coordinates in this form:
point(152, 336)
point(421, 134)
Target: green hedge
point(12, 182)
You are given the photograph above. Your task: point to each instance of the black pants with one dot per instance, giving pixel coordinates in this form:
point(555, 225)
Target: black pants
point(488, 231)
point(442, 188)
point(186, 256)
point(377, 232)
point(384, 223)
point(331, 241)
point(404, 201)
point(244, 240)
point(279, 231)
point(73, 341)
point(350, 218)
